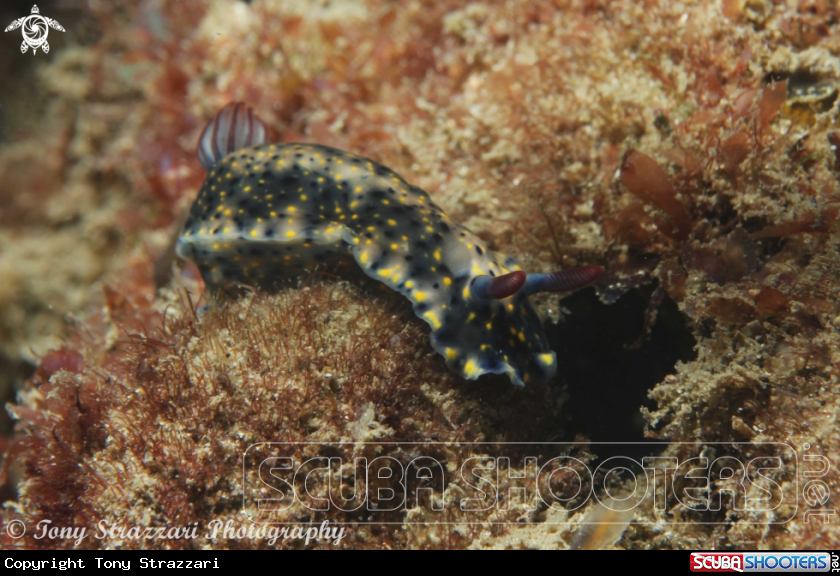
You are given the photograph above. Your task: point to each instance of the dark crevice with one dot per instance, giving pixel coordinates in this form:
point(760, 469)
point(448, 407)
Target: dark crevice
point(607, 381)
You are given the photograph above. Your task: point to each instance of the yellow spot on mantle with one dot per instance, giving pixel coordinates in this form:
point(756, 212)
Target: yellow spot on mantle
point(471, 369)
point(290, 234)
point(419, 296)
point(433, 319)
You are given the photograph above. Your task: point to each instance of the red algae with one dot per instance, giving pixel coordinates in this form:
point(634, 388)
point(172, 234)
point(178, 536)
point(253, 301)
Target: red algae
point(771, 301)
point(647, 181)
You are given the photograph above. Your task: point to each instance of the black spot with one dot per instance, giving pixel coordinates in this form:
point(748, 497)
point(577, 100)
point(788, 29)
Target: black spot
point(409, 257)
point(388, 234)
point(435, 285)
point(480, 250)
point(415, 223)
point(454, 300)
point(446, 333)
point(444, 227)
point(378, 194)
point(420, 307)
point(374, 266)
point(289, 180)
point(368, 235)
point(392, 191)
point(437, 237)
point(269, 232)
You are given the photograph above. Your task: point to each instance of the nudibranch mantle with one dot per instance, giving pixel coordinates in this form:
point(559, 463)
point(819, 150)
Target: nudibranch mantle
point(267, 208)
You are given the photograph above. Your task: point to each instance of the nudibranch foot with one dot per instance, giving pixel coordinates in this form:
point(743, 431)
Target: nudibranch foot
point(268, 211)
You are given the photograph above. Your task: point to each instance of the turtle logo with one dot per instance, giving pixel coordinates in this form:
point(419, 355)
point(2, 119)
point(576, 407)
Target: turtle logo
point(35, 30)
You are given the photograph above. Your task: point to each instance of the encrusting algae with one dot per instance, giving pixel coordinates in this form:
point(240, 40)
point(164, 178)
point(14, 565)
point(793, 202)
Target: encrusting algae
point(692, 149)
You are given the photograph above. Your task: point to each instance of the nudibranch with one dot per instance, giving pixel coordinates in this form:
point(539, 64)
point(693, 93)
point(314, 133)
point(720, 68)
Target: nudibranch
point(266, 209)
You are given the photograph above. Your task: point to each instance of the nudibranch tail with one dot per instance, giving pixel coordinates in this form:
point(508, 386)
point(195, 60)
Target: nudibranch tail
point(233, 128)
point(498, 288)
point(562, 280)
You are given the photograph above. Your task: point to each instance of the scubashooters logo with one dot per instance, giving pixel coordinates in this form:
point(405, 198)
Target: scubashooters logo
point(36, 28)
point(451, 482)
point(761, 562)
